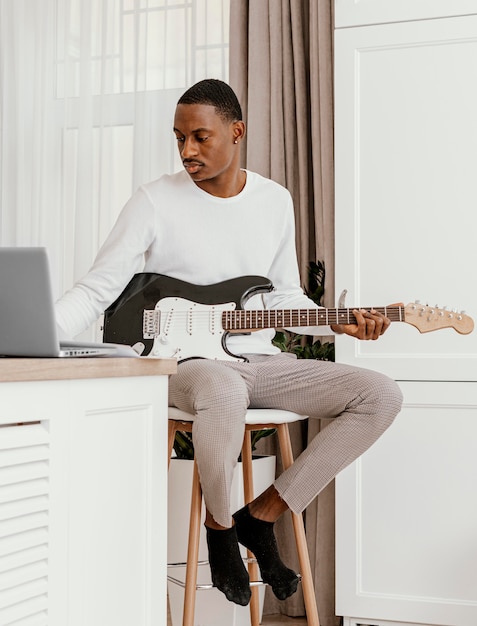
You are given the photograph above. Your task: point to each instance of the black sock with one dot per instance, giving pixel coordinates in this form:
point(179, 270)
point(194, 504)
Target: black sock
point(226, 565)
point(258, 536)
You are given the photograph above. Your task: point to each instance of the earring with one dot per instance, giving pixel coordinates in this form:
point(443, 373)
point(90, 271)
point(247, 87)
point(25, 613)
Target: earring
point(236, 141)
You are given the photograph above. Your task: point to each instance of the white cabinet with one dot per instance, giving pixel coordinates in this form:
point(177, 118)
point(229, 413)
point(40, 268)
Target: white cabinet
point(406, 198)
point(83, 492)
point(363, 12)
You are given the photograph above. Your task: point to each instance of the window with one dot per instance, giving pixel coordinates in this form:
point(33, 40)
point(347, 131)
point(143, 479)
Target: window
point(120, 69)
point(89, 89)
point(140, 45)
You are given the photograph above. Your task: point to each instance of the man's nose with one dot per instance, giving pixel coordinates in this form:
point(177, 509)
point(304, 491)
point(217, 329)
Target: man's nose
point(189, 148)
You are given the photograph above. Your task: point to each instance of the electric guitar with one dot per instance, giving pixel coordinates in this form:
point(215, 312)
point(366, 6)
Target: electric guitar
point(164, 317)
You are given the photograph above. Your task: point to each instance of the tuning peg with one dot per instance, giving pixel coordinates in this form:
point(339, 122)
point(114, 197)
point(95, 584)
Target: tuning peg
point(417, 302)
point(463, 312)
point(342, 299)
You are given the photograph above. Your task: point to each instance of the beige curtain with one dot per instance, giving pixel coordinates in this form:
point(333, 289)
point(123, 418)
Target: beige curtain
point(281, 66)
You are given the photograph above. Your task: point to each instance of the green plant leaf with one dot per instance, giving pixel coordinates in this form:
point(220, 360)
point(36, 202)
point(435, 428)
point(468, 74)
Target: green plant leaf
point(183, 446)
point(260, 434)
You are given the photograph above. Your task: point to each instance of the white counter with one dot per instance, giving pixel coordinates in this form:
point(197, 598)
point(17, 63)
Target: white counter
point(83, 475)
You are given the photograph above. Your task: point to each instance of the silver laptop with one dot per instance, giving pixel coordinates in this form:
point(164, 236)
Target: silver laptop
point(27, 316)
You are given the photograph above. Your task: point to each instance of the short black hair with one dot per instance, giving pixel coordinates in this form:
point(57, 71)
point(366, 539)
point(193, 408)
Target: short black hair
point(217, 94)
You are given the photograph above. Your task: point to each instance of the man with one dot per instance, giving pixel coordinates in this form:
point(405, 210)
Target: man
point(211, 223)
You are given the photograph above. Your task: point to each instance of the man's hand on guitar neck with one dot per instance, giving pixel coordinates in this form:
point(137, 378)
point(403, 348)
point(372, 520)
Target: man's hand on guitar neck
point(369, 325)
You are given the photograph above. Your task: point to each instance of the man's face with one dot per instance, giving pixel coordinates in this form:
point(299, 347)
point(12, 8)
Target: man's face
point(206, 143)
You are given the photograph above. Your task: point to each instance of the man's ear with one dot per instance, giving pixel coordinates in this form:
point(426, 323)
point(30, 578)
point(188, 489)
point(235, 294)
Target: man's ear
point(238, 131)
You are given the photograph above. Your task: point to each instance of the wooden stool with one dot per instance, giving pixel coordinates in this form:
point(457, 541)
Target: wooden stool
point(256, 419)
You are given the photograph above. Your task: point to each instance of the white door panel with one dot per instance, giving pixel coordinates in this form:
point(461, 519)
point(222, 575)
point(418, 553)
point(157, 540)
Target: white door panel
point(406, 514)
point(406, 188)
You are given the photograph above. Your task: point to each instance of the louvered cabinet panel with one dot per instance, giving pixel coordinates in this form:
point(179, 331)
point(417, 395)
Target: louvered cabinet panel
point(24, 506)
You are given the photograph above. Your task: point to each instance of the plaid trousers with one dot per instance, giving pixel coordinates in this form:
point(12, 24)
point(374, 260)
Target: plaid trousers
point(362, 403)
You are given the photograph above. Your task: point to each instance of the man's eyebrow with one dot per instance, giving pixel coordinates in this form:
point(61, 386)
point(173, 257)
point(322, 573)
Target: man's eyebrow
point(196, 130)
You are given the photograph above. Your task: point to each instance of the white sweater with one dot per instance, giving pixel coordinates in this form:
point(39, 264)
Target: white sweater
point(171, 226)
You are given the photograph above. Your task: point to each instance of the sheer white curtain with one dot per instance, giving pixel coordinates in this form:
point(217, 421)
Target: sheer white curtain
point(87, 94)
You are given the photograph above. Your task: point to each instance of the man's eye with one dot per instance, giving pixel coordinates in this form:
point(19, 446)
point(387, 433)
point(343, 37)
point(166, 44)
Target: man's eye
point(180, 139)
point(202, 139)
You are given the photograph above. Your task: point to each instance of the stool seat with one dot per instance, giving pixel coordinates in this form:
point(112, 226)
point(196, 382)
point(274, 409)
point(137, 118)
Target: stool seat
point(252, 417)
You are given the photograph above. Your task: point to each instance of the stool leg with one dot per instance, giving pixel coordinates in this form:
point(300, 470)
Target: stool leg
point(300, 538)
point(192, 550)
point(248, 497)
point(171, 435)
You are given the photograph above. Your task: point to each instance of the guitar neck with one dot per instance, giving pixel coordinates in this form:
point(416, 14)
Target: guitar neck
point(275, 318)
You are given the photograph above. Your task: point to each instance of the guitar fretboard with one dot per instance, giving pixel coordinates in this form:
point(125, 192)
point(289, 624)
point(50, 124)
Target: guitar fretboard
point(270, 318)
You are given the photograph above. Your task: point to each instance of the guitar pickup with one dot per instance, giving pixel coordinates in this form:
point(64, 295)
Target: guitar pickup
point(151, 323)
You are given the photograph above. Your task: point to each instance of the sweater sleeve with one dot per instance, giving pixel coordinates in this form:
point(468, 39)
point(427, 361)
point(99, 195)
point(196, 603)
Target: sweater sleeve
point(120, 257)
point(285, 275)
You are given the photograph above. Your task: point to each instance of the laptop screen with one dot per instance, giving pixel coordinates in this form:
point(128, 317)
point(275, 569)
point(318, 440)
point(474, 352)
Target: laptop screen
point(27, 319)
point(27, 313)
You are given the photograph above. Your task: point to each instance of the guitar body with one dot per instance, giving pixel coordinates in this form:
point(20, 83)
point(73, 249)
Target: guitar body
point(175, 301)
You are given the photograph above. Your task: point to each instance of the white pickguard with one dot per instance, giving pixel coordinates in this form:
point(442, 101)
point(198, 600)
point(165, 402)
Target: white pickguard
point(189, 329)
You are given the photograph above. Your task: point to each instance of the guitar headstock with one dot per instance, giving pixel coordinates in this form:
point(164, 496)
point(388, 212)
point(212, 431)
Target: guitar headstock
point(426, 318)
